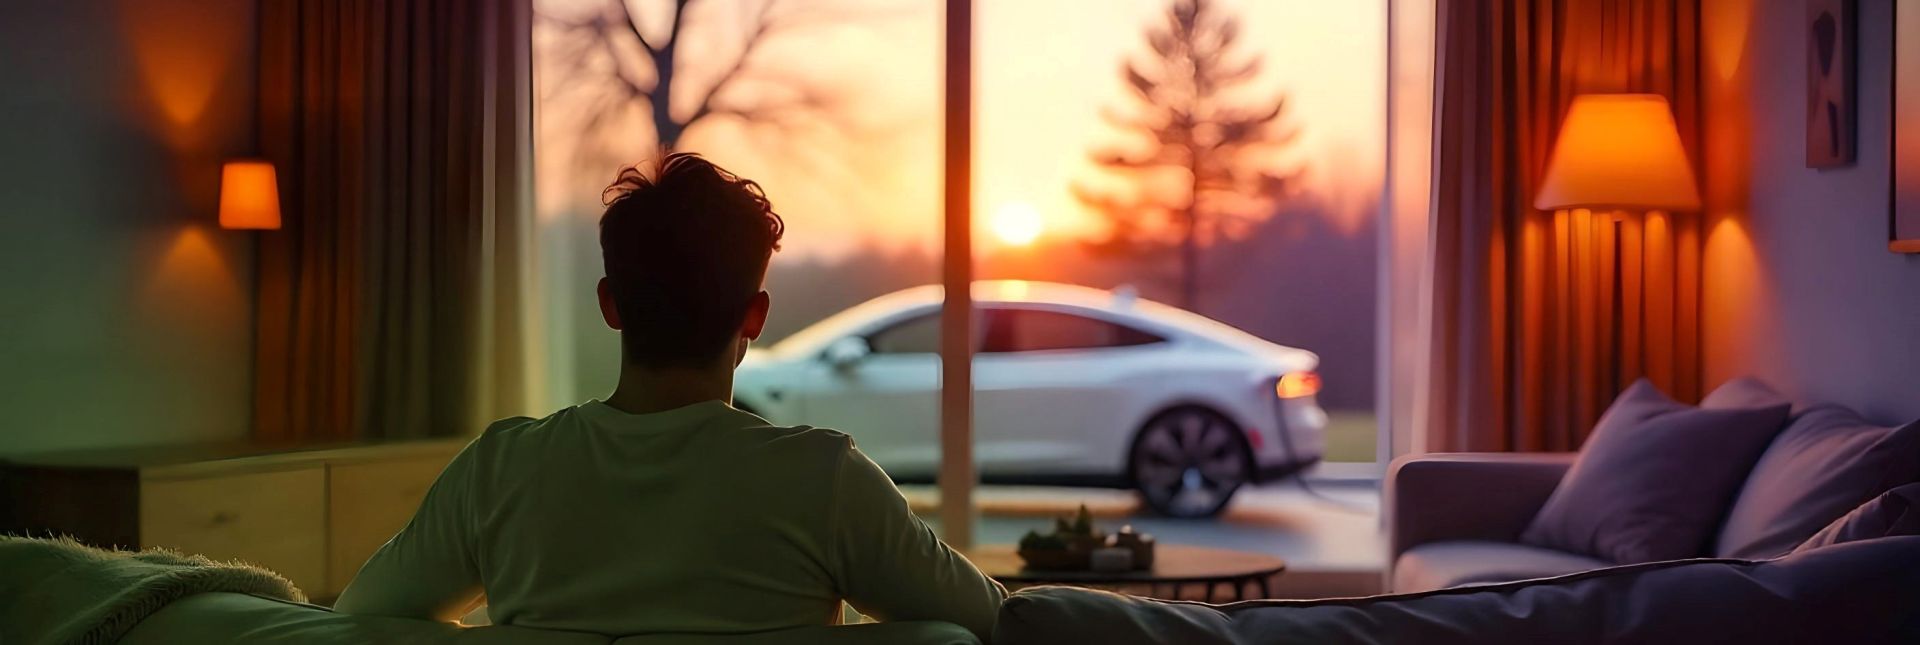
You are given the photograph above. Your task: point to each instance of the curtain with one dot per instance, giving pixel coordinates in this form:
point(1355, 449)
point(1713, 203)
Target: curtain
point(392, 303)
point(1536, 320)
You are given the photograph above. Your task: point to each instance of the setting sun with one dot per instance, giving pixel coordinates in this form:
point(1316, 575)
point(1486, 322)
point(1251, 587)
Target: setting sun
point(1017, 223)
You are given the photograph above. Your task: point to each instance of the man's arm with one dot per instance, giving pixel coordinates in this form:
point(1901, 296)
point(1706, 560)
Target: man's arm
point(428, 569)
point(890, 564)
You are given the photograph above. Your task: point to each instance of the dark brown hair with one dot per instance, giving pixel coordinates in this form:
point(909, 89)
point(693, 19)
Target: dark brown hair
point(686, 248)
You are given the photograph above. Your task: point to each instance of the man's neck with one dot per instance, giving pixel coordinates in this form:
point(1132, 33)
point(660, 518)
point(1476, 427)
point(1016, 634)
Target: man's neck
point(644, 390)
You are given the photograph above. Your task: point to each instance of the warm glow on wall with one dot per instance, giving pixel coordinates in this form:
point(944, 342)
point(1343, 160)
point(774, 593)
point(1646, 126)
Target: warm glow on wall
point(249, 195)
point(1619, 151)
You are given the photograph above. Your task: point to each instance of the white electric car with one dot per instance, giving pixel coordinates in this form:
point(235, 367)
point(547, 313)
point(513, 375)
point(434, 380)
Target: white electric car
point(1072, 385)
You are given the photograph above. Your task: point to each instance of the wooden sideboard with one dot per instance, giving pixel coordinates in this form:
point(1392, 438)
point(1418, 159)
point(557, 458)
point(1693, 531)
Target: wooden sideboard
point(312, 513)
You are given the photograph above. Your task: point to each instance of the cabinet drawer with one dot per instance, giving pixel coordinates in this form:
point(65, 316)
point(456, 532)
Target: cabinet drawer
point(368, 502)
point(274, 519)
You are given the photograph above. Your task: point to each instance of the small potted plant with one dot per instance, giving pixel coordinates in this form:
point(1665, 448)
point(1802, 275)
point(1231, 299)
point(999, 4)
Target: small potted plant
point(1069, 547)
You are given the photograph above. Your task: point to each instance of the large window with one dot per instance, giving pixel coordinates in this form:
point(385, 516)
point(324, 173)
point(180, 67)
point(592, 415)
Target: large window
point(1231, 171)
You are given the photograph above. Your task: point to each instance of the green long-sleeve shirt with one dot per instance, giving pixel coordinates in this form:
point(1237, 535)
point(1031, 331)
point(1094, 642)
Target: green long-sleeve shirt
point(701, 519)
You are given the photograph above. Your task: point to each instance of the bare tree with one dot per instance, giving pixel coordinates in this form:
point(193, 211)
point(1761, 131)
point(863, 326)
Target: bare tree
point(616, 62)
point(1194, 126)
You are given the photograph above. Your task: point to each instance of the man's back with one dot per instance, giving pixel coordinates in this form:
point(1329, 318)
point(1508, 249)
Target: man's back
point(697, 519)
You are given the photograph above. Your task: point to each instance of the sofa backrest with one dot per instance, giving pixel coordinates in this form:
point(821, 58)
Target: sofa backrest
point(243, 618)
point(1861, 592)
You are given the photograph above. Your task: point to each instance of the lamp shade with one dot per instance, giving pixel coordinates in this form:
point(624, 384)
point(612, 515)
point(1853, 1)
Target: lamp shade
point(1618, 151)
point(249, 195)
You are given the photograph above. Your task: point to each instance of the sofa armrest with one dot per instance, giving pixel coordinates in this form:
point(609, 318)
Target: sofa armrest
point(1467, 496)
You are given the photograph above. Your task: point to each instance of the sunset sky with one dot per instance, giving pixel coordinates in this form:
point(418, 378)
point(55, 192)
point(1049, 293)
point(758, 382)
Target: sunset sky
point(1045, 68)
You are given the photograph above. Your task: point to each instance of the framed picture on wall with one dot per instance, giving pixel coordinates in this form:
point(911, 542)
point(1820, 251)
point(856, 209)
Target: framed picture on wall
point(1830, 83)
point(1904, 229)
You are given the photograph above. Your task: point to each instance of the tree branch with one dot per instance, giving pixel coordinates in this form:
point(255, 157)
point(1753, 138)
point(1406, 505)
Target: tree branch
point(633, 26)
point(762, 25)
point(679, 21)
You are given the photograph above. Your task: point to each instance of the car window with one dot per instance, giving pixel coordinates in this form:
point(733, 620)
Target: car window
point(916, 335)
point(1033, 330)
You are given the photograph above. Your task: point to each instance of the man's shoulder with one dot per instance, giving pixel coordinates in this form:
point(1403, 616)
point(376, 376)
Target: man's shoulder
point(789, 458)
point(800, 437)
point(512, 425)
point(518, 431)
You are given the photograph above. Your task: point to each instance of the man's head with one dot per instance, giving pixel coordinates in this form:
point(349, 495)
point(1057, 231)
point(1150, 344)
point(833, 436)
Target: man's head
point(686, 253)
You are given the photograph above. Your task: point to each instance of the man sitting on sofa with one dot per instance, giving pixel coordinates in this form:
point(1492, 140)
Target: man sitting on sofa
point(663, 509)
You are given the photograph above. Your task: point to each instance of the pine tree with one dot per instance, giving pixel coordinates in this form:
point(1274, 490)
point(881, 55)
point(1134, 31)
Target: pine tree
point(1191, 115)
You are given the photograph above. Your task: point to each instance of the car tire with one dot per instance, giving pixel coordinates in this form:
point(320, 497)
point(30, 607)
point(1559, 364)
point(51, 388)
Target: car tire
point(1189, 461)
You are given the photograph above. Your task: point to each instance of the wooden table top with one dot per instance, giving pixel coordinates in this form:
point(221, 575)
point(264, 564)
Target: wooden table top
point(1172, 564)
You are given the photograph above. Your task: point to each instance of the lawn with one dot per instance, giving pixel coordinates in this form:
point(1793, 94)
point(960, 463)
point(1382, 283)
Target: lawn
point(1351, 435)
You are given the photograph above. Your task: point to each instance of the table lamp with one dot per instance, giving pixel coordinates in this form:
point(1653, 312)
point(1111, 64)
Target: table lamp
point(249, 195)
point(1618, 152)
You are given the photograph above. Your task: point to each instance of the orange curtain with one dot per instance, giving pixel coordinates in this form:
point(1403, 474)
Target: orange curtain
point(1538, 319)
point(390, 304)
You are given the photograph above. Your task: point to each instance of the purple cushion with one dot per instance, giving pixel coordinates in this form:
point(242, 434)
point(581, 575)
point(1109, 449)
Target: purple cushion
point(1654, 478)
point(1826, 462)
point(1896, 512)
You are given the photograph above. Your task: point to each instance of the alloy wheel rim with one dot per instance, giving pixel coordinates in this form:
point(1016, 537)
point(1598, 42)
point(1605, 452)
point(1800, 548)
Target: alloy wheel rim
point(1189, 463)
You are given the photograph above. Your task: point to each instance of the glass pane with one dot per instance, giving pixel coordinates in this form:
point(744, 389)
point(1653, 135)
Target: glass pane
point(1238, 185)
point(920, 335)
point(832, 106)
point(1027, 330)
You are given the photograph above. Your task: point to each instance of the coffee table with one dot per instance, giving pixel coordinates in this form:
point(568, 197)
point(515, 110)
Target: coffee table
point(1174, 566)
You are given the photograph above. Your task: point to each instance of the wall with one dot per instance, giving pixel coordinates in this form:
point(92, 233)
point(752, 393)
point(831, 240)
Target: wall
point(125, 312)
point(1800, 289)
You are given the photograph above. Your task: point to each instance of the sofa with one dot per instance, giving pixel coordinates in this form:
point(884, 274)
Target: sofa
point(246, 618)
point(1860, 591)
point(1863, 592)
point(1454, 519)
point(58, 591)
point(1469, 518)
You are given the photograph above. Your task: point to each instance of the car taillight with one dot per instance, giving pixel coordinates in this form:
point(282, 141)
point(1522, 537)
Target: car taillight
point(1297, 384)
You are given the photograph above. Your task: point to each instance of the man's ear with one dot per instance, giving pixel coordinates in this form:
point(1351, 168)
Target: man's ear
point(608, 311)
point(756, 320)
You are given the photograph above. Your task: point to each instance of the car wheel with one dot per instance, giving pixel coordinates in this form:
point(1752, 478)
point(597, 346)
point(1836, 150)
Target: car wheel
point(1189, 461)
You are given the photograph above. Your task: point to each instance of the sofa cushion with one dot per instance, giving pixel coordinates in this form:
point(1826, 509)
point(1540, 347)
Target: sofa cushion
point(1439, 565)
point(1654, 479)
point(1826, 462)
point(1896, 512)
point(1862, 592)
point(1743, 392)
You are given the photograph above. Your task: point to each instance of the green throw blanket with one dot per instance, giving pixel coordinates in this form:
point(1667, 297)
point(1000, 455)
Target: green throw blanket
point(60, 591)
